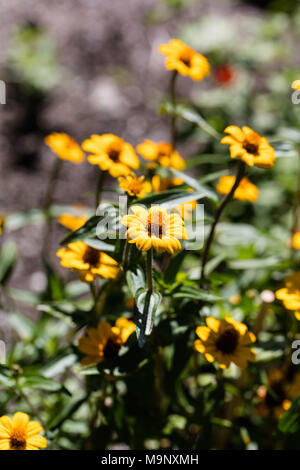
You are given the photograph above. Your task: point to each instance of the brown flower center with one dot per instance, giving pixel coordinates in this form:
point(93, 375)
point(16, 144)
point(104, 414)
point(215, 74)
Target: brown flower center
point(18, 440)
point(156, 225)
point(91, 256)
point(111, 349)
point(186, 58)
point(251, 146)
point(228, 341)
point(114, 153)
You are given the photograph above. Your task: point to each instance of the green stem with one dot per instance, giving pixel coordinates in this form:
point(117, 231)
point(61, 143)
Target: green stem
point(101, 181)
point(173, 102)
point(149, 270)
point(240, 173)
point(33, 409)
point(126, 255)
point(94, 293)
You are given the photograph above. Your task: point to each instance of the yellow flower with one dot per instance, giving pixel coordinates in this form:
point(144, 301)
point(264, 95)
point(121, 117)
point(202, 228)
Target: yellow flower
point(185, 60)
point(162, 184)
point(249, 147)
point(135, 186)
point(105, 341)
point(2, 220)
point(296, 85)
point(72, 222)
point(275, 398)
point(246, 191)
point(296, 241)
point(65, 147)
point(111, 154)
point(290, 294)
point(88, 262)
point(19, 433)
point(225, 341)
point(161, 153)
point(154, 228)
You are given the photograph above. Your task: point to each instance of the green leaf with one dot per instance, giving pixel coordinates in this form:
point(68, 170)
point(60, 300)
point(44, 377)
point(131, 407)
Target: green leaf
point(189, 292)
point(258, 263)
point(88, 230)
point(135, 280)
point(8, 257)
point(66, 412)
point(174, 266)
point(100, 245)
point(41, 383)
point(57, 365)
point(209, 193)
point(23, 325)
point(289, 423)
point(5, 377)
point(171, 198)
point(20, 219)
point(69, 312)
point(146, 305)
point(55, 288)
point(192, 116)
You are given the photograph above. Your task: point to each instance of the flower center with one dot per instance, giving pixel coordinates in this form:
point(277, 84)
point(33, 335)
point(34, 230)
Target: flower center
point(135, 186)
point(251, 146)
point(228, 341)
point(114, 153)
point(186, 58)
point(155, 225)
point(111, 349)
point(18, 440)
point(91, 256)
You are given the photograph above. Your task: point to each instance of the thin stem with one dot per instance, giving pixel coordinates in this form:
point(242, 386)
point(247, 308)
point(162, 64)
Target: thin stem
point(220, 209)
point(94, 293)
point(48, 201)
point(33, 409)
point(149, 270)
point(296, 211)
point(101, 181)
point(126, 255)
point(173, 102)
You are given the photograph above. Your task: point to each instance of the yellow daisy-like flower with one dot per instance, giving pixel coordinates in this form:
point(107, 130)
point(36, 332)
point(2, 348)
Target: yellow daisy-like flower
point(296, 85)
point(72, 222)
point(249, 146)
point(277, 396)
point(185, 60)
point(296, 241)
point(105, 341)
point(65, 147)
point(154, 228)
point(162, 184)
point(290, 294)
point(246, 191)
point(135, 186)
point(19, 433)
point(225, 341)
point(111, 154)
point(88, 262)
point(162, 154)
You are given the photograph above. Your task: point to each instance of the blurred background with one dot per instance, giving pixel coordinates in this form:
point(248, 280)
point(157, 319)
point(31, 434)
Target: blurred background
point(92, 66)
